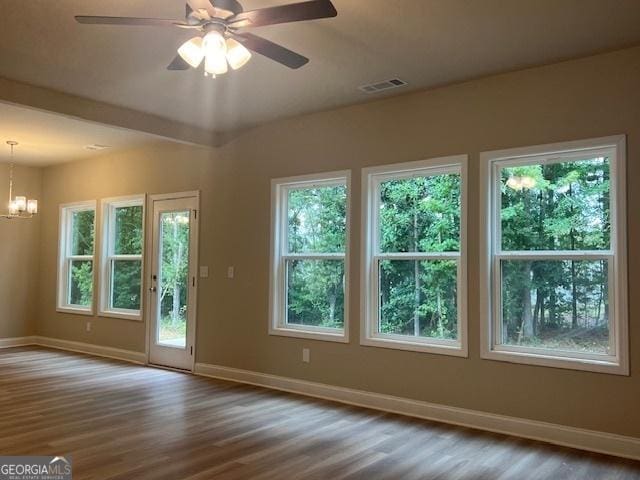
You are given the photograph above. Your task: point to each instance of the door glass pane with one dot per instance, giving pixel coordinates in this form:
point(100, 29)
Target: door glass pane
point(125, 286)
point(128, 230)
point(315, 293)
point(80, 282)
point(173, 279)
point(82, 232)
point(557, 206)
point(419, 298)
point(556, 304)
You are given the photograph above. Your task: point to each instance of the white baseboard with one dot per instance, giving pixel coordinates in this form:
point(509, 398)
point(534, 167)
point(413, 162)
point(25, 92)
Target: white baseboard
point(16, 342)
point(98, 350)
point(594, 441)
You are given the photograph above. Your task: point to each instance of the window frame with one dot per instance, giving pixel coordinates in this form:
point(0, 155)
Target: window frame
point(108, 207)
point(279, 255)
point(66, 212)
point(492, 254)
point(370, 309)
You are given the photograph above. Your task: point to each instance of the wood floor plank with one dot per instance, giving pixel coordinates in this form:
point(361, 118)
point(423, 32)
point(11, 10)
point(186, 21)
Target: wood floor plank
point(120, 421)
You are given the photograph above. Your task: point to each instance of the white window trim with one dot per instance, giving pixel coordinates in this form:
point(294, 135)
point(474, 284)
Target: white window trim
point(371, 178)
point(64, 232)
point(108, 206)
point(277, 286)
point(489, 235)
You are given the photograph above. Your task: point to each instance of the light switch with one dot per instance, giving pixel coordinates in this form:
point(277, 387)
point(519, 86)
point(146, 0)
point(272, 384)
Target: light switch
point(204, 272)
point(230, 272)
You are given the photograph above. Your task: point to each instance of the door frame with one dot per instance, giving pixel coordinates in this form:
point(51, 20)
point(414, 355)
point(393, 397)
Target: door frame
point(148, 259)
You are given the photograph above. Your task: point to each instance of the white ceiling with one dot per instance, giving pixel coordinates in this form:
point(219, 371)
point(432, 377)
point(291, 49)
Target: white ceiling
point(45, 138)
point(424, 42)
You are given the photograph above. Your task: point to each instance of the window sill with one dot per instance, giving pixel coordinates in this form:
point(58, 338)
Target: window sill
point(330, 336)
point(453, 348)
point(75, 311)
point(136, 317)
point(607, 364)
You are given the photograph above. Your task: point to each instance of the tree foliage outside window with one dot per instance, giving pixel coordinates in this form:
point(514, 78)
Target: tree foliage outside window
point(127, 274)
point(419, 215)
point(556, 303)
point(80, 282)
point(315, 287)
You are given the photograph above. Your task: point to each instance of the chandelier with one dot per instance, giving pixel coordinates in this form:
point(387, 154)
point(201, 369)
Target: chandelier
point(19, 206)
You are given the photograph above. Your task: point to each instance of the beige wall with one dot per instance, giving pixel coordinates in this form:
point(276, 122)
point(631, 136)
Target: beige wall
point(19, 253)
point(592, 97)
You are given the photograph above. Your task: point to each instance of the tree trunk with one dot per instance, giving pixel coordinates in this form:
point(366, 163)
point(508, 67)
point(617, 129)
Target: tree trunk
point(537, 311)
point(574, 293)
point(527, 318)
point(332, 305)
point(416, 276)
point(601, 292)
point(177, 260)
point(574, 289)
point(439, 310)
point(553, 316)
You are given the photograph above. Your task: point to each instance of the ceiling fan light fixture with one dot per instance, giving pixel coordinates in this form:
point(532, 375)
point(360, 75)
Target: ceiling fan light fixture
point(192, 52)
point(237, 54)
point(215, 50)
point(215, 64)
point(213, 43)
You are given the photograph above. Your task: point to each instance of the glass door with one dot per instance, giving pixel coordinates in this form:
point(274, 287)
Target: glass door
point(173, 282)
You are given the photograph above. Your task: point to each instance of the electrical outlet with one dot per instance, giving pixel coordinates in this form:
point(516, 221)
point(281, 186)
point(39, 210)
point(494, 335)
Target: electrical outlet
point(306, 355)
point(88, 326)
point(231, 271)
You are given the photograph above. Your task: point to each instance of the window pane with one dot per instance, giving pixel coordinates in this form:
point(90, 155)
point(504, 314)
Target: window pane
point(419, 298)
point(82, 232)
point(560, 206)
point(315, 293)
point(420, 214)
point(556, 304)
point(317, 219)
point(128, 231)
point(125, 293)
point(81, 282)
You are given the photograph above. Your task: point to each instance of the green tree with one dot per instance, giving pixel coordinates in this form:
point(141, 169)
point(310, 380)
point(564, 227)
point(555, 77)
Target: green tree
point(559, 304)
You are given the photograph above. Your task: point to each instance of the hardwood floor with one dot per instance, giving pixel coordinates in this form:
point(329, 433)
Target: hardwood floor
point(122, 421)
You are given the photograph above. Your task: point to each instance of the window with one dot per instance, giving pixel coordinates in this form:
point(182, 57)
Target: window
point(121, 262)
point(75, 269)
point(555, 273)
point(414, 256)
point(310, 268)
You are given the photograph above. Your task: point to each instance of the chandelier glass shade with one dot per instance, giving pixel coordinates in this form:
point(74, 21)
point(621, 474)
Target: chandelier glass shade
point(19, 206)
point(218, 53)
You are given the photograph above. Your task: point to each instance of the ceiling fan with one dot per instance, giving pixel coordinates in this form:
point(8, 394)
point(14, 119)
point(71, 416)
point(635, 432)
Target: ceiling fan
point(221, 40)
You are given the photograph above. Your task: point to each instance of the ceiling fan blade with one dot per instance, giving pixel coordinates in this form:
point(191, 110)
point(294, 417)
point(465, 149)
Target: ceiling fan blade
point(271, 50)
point(230, 5)
point(178, 64)
point(215, 8)
point(129, 21)
point(294, 12)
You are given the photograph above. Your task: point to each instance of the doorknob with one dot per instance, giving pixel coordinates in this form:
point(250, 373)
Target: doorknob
point(153, 289)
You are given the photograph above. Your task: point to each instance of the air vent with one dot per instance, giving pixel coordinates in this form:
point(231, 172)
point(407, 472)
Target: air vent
point(96, 146)
point(382, 86)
